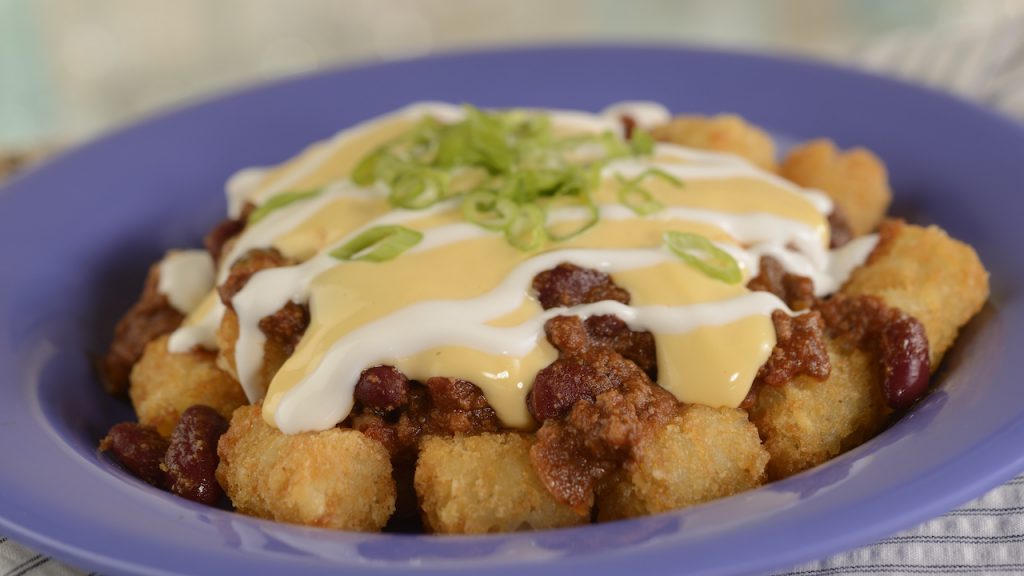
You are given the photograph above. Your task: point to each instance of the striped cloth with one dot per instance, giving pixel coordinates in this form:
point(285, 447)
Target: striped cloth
point(985, 536)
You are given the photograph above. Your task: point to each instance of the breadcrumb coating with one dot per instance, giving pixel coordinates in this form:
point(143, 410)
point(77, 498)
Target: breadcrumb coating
point(723, 133)
point(922, 271)
point(484, 484)
point(856, 180)
point(703, 454)
point(806, 422)
point(163, 385)
point(337, 478)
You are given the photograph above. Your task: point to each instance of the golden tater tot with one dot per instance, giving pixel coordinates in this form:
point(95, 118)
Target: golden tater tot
point(856, 180)
point(703, 454)
point(723, 133)
point(337, 478)
point(483, 484)
point(806, 422)
point(274, 354)
point(163, 385)
point(922, 271)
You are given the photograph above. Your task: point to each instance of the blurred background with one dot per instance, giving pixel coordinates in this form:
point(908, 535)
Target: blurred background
point(72, 69)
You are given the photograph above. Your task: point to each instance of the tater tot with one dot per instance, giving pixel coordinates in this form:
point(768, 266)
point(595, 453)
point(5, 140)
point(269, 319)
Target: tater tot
point(163, 385)
point(274, 355)
point(922, 271)
point(723, 133)
point(337, 478)
point(806, 422)
point(484, 484)
point(703, 454)
point(856, 180)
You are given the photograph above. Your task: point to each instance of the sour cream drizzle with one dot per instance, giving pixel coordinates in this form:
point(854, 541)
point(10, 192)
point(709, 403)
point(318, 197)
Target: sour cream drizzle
point(466, 310)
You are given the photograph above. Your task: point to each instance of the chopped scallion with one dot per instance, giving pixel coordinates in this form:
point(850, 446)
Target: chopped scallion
point(702, 254)
point(378, 244)
point(277, 202)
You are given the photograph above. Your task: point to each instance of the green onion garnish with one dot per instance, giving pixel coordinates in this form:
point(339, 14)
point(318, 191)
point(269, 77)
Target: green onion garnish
point(379, 244)
point(702, 254)
point(526, 230)
point(639, 199)
point(279, 201)
point(593, 214)
point(642, 142)
point(488, 210)
point(516, 163)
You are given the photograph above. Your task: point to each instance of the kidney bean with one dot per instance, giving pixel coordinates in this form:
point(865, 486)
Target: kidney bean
point(382, 388)
point(139, 450)
point(904, 351)
point(191, 458)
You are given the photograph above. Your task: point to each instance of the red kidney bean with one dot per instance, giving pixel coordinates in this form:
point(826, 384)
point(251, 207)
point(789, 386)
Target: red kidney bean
point(139, 450)
point(191, 458)
point(904, 348)
point(382, 388)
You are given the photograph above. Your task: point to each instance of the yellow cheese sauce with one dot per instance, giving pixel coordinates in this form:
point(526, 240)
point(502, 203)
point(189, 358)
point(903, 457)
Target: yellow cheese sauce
point(460, 304)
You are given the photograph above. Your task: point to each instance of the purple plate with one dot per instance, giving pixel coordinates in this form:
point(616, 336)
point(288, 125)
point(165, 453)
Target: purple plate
point(78, 233)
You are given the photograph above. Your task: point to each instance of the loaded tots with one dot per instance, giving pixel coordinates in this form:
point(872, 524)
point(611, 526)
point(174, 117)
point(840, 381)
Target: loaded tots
point(462, 321)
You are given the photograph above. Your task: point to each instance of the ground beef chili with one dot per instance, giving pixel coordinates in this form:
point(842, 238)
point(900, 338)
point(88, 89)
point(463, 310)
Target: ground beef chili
point(597, 402)
point(398, 412)
point(284, 327)
point(796, 291)
point(596, 409)
point(799, 349)
point(151, 317)
point(896, 338)
point(226, 230)
point(840, 232)
point(569, 285)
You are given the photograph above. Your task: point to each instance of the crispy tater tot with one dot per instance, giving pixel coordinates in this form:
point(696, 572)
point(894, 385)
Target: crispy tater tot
point(806, 422)
point(722, 133)
point(482, 484)
point(337, 478)
point(856, 180)
point(163, 385)
point(922, 271)
point(274, 353)
point(703, 454)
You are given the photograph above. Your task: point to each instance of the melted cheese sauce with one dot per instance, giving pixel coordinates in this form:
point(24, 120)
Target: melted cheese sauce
point(459, 304)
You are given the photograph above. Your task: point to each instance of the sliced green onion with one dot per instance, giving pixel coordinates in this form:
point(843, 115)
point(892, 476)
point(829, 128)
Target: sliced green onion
point(378, 244)
point(417, 189)
point(365, 172)
point(641, 142)
point(659, 173)
point(488, 210)
point(507, 167)
point(277, 202)
point(702, 254)
point(637, 198)
point(593, 215)
point(526, 230)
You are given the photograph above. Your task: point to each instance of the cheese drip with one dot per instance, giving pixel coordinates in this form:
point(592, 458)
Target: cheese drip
point(460, 305)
